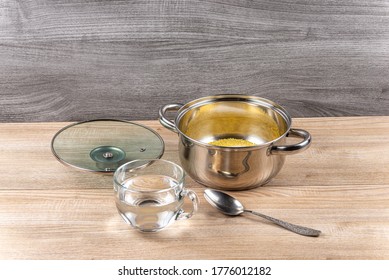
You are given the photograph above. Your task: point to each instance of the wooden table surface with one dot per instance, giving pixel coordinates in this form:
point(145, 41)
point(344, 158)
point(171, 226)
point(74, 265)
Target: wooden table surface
point(340, 185)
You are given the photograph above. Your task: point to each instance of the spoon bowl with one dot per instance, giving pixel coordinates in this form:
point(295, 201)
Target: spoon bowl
point(224, 202)
point(233, 207)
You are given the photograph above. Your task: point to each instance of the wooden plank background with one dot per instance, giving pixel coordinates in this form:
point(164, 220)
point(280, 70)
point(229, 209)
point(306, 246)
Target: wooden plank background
point(71, 60)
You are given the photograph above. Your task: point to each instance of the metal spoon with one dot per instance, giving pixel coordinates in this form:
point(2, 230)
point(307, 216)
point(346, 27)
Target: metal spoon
point(231, 206)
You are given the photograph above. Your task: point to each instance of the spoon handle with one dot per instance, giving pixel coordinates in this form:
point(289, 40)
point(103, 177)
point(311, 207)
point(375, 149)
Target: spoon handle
point(295, 228)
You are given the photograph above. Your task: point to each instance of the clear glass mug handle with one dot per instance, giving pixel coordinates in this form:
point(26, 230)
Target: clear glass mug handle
point(182, 215)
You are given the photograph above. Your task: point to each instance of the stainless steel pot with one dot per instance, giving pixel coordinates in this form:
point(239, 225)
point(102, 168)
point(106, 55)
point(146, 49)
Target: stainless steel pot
point(258, 120)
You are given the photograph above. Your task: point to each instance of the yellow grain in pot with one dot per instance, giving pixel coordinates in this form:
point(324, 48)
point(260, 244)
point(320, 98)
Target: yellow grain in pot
point(232, 142)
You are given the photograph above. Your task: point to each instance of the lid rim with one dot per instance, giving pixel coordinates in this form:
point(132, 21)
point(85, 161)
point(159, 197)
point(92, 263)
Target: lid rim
point(66, 163)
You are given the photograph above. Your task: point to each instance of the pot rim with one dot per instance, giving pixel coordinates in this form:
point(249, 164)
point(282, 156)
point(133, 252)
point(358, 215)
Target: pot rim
point(263, 102)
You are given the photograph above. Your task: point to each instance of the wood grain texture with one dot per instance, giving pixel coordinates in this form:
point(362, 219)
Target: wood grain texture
point(340, 185)
point(73, 60)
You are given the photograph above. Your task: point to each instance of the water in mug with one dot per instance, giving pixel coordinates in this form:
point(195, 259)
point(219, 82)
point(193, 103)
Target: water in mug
point(149, 211)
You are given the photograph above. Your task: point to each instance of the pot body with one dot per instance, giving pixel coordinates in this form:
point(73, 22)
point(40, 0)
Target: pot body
point(255, 119)
point(228, 169)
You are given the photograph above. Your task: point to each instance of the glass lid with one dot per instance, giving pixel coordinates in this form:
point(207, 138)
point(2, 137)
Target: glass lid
point(104, 145)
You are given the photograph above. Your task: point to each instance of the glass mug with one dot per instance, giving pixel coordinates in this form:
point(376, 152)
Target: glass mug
point(150, 193)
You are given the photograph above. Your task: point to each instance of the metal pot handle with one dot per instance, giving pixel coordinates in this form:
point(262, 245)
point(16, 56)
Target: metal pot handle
point(295, 148)
point(169, 124)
